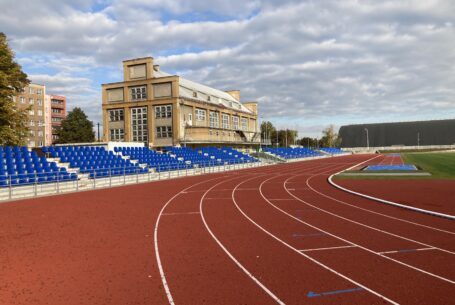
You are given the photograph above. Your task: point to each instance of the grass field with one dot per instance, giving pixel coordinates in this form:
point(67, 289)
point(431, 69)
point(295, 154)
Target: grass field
point(440, 165)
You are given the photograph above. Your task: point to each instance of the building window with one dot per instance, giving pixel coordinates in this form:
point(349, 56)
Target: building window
point(56, 119)
point(41, 123)
point(200, 114)
point(40, 143)
point(214, 119)
point(137, 71)
point(31, 90)
point(115, 95)
point(208, 98)
point(225, 121)
point(39, 91)
point(22, 99)
point(31, 101)
point(244, 122)
point(163, 111)
point(31, 112)
point(164, 132)
point(162, 90)
point(31, 143)
point(235, 122)
point(116, 115)
point(55, 110)
point(32, 133)
point(194, 94)
point(139, 93)
point(32, 123)
point(40, 133)
point(40, 102)
point(117, 134)
point(139, 124)
point(40, 112)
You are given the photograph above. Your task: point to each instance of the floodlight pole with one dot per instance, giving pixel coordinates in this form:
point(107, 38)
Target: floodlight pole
point(418, 139)
point(368, 139)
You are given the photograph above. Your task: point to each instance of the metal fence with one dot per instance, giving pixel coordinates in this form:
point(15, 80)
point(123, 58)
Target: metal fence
point(13, 187)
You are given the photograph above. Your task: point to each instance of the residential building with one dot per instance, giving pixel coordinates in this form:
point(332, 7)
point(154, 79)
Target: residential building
point(32, 97)
point(162, 109)
point(57, 113)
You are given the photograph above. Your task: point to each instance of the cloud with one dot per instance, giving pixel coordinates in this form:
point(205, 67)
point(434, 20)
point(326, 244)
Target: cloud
point(310, 61)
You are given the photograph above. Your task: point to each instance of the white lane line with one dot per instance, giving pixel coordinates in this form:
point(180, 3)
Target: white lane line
point(302, 253)
point(406, 250)
point(352, 243)
point(327, 248)
point(155, 237)
point(179, 213)
point(330, 179)
point(365, 225)
point(229, 254)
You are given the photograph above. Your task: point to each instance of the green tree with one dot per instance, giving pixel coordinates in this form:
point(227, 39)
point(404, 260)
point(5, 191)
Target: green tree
point(309, 142)
point(330, 138)
point(76, 128)
point(13, 121)
point(286, 137)
point(268, 131)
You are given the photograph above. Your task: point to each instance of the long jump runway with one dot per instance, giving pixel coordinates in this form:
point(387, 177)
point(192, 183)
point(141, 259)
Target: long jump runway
point(272, 235)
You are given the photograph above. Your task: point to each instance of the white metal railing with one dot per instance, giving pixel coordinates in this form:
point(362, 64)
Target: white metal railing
point(21, 186)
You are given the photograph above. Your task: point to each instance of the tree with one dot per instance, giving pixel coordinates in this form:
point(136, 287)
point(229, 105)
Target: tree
point(76, 128)
point(286, 137)
point(309, 142)
point(267, 130)
point(13, 121)
point(330, 138)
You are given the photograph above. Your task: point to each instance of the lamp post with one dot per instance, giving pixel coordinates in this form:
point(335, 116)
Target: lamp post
point(418, 139)
point(368, 139)
point(98, 124)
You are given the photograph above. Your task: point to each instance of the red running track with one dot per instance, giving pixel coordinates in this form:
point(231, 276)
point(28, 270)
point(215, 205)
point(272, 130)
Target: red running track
point(270, 235)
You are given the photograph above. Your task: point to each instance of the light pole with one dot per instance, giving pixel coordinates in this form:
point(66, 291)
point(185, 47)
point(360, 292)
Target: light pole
point(418, 139)
point(368, 139)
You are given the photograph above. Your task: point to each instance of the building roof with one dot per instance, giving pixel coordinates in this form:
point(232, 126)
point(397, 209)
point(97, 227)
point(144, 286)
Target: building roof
point(217, 97)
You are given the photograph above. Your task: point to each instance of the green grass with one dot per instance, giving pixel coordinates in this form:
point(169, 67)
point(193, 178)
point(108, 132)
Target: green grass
point(440, 165)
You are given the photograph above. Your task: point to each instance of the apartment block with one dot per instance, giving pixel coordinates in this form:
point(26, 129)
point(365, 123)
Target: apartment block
point(57, 113)
point(161, 109)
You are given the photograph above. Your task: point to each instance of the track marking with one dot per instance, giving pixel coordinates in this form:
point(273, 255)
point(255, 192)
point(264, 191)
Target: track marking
point(406, 250)
point(179, 213)
point(302, 253)
point(352, 243)
point(155, 237)
point(327, 248)
point(229, 254)
point(312, 294)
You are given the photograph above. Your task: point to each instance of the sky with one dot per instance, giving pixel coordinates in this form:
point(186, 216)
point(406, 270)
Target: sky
point(308, 64)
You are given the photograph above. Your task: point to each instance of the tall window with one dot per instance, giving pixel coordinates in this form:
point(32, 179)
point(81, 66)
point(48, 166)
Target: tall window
point(40, 112)
point(164, 132)
point(200, 114)
point(31, 101)
point(39, 91)
point(244, 122)
point(139, 93)
point(31, 90)
point(117, 134)
point(40, 102)
point(235, 122)
point(31, 112)
point(22, 99)
point(225, 121)
point(116, 115)
point(139, 124)
point(163, 111)
point(214, 119)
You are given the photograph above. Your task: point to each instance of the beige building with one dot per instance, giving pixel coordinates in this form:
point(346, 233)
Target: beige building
point(33, 96)
point(161, 109)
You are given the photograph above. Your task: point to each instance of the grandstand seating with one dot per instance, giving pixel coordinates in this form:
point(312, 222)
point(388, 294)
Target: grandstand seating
point(96, 161)
point(19, 166)
point(292, 153)
point(193, 156)
point(153, 159)
point(227, 155)
point(332, 150)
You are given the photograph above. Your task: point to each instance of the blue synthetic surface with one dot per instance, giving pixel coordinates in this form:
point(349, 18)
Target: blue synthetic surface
point(404, 167)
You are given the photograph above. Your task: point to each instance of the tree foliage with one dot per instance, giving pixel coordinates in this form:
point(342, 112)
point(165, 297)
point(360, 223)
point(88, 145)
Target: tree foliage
point(330, 138)
point(76, 128)
point(309, 142)
point(13, 121)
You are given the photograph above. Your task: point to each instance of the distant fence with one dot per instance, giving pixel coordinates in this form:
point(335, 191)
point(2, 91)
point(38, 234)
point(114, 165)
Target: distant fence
point(399, 147)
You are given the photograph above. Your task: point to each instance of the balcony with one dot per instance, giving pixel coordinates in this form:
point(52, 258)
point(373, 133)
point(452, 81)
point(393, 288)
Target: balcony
point(199, 135)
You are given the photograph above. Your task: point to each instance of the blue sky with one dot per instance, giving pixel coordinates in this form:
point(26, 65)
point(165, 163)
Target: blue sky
point(309, 64)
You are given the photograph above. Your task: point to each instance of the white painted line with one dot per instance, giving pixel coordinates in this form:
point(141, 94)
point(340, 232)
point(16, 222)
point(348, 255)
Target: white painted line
point(155, 237)
point(406, 250)
point(433, 213)
point(302, 253)
point(327, 248)
point(352, 243)
point(229, 254)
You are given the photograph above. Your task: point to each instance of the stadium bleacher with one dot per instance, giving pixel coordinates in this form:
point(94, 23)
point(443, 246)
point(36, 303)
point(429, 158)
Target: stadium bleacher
point(292, 153)
point(157, 161)
point(95, 161)
point(332, 150)
point(19, 166)
point(227, 155)
point(192, 156)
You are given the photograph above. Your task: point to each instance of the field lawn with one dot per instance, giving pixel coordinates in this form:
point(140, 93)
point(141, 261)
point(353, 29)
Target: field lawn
point(440, 165)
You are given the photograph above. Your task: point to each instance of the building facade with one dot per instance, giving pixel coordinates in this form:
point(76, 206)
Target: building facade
point(57, 113)
point(32, 97)
point(419, 133)
point(161, 109)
